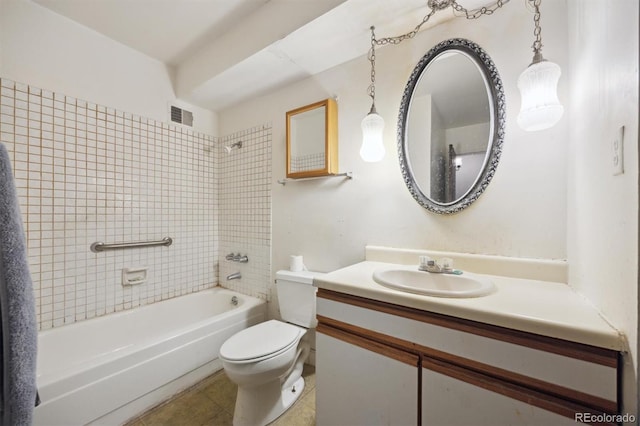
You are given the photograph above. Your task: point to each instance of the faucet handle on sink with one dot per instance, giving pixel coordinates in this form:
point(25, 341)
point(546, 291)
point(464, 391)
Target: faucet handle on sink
point(426, 263)
point(443, 266)
point(446, 264)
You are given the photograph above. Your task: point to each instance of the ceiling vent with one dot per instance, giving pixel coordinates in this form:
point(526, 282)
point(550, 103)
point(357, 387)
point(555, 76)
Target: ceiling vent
point(181, 116)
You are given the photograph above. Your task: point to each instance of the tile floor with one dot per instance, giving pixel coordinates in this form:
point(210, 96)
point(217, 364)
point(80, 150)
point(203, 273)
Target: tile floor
point(211, 402)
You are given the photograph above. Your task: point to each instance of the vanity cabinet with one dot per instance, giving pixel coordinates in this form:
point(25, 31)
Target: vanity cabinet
point(368, 383)
point(379, 363)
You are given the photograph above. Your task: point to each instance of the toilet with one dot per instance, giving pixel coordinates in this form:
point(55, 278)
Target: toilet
point(266, 360)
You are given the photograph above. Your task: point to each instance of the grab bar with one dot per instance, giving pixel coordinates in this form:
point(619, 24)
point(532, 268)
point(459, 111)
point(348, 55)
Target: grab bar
point(99, 246)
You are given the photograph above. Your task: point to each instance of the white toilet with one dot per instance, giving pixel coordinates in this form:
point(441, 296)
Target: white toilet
point(266, 360)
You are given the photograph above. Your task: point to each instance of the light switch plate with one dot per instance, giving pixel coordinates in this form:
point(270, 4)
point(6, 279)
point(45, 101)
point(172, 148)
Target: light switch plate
point(618, 152)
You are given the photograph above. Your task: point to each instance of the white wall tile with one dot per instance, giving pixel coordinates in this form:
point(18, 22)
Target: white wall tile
point(82, 177)
point(245, 209)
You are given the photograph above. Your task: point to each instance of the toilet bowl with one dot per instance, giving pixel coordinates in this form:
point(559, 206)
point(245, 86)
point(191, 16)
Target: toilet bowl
point(266, 363)
point(266, 360)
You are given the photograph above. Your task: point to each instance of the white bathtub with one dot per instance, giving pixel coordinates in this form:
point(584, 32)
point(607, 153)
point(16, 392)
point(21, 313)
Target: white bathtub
point(108, 369)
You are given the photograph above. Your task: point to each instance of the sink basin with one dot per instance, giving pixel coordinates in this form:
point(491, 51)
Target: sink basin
point(433, 284)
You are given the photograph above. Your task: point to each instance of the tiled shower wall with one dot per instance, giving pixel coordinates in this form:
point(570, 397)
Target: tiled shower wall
point(244, 210)
point(87, 173)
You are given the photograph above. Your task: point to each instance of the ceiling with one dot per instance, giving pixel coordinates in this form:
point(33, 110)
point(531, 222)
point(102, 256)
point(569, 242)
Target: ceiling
point(223, 52)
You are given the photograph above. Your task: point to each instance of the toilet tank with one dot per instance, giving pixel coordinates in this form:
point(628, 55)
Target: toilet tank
point(297, 297)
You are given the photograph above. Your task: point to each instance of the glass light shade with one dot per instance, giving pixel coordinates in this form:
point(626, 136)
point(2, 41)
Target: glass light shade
point(538, 86)
point(372, 149)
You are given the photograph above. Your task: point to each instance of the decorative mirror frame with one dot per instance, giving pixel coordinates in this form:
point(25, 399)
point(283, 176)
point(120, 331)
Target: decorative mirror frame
point(330, 144)
point(491, 76)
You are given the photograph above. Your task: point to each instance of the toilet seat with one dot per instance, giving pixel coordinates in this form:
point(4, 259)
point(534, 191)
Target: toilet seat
point(261, 341)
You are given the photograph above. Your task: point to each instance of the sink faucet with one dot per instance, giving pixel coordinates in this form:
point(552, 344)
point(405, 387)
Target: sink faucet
point(445, 266)
point(234, 276)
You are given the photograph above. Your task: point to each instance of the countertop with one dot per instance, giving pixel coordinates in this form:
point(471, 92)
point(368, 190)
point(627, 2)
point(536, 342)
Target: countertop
point(547, 308)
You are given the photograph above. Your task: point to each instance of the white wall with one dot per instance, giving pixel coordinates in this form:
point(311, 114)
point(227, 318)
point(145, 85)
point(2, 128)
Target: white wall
point(44, 49)
point(419, 135)
point(522, 213)
point(244, 210)
point(603, 208)
point(474, 137)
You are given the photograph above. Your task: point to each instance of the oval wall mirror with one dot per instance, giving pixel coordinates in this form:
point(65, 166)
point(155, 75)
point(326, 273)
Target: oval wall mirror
point(451, 126)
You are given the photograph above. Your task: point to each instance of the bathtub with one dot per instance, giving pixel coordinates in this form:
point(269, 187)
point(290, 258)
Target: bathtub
point(108, 369)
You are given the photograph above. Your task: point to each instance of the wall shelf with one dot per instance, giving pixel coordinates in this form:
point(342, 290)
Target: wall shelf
point(346, 175)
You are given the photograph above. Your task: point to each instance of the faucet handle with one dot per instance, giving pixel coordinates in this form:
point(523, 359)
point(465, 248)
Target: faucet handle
point(446, 264)
point(425, 263)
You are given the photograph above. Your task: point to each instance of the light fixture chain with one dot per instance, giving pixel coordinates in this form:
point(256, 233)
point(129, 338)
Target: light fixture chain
point(476, 13)
point(372, 60)
point(537, 31)
point(411, 34)
point(435, 6)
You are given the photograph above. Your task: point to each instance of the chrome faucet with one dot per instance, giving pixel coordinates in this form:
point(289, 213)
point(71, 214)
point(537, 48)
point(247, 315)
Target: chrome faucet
point(445, 266)
point(237, 258)
point(234, 276)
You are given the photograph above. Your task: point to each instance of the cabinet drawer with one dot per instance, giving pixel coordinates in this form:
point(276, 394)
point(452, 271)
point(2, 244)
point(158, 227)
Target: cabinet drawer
point(575, 372)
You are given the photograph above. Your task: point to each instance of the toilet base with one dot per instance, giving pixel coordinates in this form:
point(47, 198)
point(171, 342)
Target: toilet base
point(291, 394)
point(260, 405)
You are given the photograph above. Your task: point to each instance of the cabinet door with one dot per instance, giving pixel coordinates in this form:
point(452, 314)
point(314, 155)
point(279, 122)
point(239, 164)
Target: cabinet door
point(566, 370)
point(453, 396)
point(358, 386)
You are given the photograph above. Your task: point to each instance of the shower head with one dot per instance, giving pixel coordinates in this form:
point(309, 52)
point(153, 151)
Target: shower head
point(233, 146)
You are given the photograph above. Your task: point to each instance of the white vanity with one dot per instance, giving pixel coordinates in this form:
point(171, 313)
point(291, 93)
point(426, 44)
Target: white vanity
point(532, 352)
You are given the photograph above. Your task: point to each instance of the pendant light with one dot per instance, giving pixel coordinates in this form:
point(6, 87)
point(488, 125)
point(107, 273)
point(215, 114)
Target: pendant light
point(538, 84)
point(372, 148)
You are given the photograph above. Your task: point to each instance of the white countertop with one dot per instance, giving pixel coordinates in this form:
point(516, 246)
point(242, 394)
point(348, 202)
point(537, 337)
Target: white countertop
point(547, 308)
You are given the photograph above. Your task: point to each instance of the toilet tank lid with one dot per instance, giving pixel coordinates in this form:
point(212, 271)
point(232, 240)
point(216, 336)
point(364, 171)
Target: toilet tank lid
point(302, 277)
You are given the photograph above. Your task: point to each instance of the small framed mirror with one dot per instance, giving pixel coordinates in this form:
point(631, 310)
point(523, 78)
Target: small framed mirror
point(312, 140)
point(451, 126)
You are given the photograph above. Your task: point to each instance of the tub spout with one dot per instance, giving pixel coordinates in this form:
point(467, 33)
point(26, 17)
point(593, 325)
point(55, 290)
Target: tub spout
point(234, 276)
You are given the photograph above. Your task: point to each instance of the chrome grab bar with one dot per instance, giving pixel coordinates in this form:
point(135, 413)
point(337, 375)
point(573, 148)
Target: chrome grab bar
point(99, 246)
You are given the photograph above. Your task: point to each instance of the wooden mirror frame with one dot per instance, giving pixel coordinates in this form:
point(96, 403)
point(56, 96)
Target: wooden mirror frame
point(330, 144)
